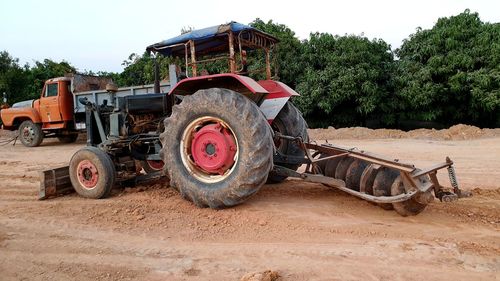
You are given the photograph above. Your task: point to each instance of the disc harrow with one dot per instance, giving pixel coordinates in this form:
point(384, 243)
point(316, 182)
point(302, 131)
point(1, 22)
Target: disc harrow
point(389, 183)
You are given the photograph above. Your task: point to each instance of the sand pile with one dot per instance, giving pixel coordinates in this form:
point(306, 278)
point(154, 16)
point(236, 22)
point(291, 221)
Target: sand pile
point(457, 132)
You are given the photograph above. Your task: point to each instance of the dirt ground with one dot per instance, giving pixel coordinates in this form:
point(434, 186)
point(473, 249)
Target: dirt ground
point(301, 231)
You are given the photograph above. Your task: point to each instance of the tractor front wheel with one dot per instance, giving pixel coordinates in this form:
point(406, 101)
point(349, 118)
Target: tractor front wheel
point(92, 173)
point(217, 148)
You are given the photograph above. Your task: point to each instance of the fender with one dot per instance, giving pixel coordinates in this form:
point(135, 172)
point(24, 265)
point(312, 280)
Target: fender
point(238, 83)
point(271, 96)
point(11, 115)
point(279, 94)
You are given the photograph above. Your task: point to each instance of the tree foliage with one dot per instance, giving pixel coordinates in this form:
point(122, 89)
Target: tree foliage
point(13, 77)
point(346, 79)
point(23, 83)
point(451, 73)
point(41, 71)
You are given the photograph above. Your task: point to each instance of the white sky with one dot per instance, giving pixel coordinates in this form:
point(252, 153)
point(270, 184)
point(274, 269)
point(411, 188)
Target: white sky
point(99, 35)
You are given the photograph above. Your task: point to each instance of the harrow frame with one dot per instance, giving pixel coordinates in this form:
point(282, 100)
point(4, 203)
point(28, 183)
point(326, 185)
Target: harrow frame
point(417, 182)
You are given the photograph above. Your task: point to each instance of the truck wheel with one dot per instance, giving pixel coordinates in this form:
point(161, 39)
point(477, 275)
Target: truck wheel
point(217, 148)
point(71, 138)
point(152, 166)
point(31, 134)
point(92, 173)
point(291, 123)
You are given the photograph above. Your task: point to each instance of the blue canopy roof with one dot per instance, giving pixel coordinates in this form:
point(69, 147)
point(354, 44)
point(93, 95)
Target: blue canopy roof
point(204, 39)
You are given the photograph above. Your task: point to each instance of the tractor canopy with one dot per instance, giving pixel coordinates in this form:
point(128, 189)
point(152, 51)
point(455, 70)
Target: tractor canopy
point(214, 39)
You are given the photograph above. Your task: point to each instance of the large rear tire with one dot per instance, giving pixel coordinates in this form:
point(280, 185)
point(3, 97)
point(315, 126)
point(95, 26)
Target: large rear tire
point(291, 123)
point(217, 148)
point(31, 134)
point(92, 173)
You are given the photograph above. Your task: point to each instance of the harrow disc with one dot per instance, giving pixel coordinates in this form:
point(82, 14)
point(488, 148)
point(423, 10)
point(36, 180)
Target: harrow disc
point(367, 178)
point(383, 183)
point(354, 173)
point(406, 208)
point(342, 167)
point(331, 166)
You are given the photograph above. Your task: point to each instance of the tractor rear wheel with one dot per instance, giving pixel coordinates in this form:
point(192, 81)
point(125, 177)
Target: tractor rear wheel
point(92, 173)
point(30, 133)
point(217, 148)
point(291, 123)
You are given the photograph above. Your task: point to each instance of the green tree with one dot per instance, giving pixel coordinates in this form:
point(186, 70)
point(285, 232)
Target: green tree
point(451, 73)
point(13, 78)
point(346, 80)
point(139, 69)
point(42, 71)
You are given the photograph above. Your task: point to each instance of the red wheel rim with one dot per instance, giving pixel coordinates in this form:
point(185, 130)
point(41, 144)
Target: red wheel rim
point(213, 148)
point(209, 149)
point(155, 164)
point(87, 174)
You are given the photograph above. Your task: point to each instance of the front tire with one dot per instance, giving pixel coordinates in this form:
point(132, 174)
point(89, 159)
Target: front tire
point(92, 173)
point(31, 134)
point(217, 148)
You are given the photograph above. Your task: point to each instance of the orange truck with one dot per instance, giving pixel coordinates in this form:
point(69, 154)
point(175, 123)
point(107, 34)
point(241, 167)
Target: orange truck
point(57, 112)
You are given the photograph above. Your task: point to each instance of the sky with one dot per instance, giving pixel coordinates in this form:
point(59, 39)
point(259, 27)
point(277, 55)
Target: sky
point(100, 35)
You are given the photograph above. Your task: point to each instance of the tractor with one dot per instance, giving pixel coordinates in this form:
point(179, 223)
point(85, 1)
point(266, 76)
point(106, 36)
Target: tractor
point(219, 137)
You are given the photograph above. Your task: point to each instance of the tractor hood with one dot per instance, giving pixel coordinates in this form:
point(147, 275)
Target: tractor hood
point(26, 103)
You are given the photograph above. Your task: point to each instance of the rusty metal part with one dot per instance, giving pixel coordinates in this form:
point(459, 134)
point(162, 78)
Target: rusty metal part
point(331, 166)
point(383, 182)
point(341, 171)
point(54, 182)
point(367, 178)
point(194, 66)
point(354, 173)
point(361, 154)
point(340, 184)
point(412, 206)
point(232, 61)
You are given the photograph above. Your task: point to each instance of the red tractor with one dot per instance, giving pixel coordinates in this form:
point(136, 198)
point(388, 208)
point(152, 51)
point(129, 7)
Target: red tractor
point(220, 134)
point(220, 137)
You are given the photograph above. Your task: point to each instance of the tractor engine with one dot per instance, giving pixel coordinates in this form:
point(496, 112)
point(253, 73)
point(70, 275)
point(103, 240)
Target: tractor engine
point(138, 115)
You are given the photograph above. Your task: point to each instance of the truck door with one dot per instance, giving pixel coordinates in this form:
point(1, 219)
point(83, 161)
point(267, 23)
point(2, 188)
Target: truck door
point(49, 104)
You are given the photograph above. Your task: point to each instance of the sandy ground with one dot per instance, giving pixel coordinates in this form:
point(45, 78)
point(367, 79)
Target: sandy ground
point(301, 230)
